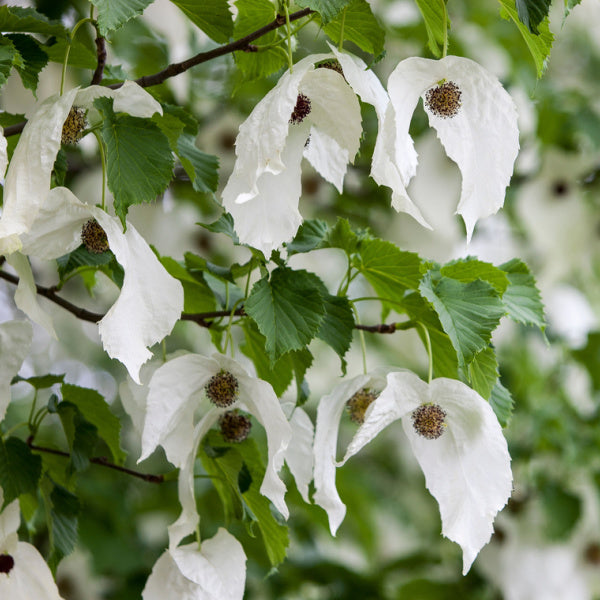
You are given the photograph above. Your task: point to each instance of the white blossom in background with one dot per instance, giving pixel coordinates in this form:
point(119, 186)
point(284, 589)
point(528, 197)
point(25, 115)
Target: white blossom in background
point(454, 435)
point(311, 112)
point(15, 341)
point(475, 119)
point(214, 570)
point(24, 574)
point(175, 391)
point(47, 223)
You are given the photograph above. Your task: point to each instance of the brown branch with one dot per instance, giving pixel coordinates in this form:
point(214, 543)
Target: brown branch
point(243, 44)
point(381, 328)
point(101, 54)
point(99, 460)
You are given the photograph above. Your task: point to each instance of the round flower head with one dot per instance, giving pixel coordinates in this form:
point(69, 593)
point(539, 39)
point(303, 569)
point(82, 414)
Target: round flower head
point(359, 402)
point(74, 125)
point(429, 421)
point(475, 119)
point(222, 389)
point(234, 427)
point(94, 237)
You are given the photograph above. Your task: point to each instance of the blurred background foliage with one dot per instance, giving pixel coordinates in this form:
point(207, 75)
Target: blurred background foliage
point(547, 540)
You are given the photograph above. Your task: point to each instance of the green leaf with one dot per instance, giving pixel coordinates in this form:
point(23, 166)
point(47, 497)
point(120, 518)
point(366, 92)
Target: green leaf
point(252, 15)
point(359, 26)
point(532, 13)
point(224, 224)
point(202, 168)
point(483, 372)
point(589, 357)
point(522, 298)
point(8, 57)
point(570, 5)
point(562, 510)
point(96, 411)
point(197, 295)
point(341, 235)
point(80, 55)
point(337, 326)
point(81, 257)
point(288, 309)
point(81, 435)
point(112, 14)
point(539, 45)
point(34, 59)
point(470, 269)
point(63, 509)
point(468, 312)
point(388, 269)
point(212, 16)
point(436, 20)
point(502, 403)
point(139, 159)
point(327, 9)
point(16, 19)
point(41, 382)
point(20, 469)
point(308, 237)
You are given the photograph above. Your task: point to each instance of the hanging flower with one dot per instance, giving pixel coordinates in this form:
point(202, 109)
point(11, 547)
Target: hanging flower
point(24, 575)
point(475, 119)
point(311, 112)
point(216, 570)
point(48, 223)
point(15, 340)
point(169, 422)
point(454, 435)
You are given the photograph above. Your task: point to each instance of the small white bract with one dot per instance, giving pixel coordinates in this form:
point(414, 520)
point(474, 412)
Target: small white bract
point(15, 340)
point(466, 463)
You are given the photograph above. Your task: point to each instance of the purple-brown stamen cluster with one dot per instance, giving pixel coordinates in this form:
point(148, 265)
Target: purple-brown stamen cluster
point(94, 238)
point(7, 562)
point(429, 421)
point(444, 100)
point(234, 427)
point(301, 110)
point(222, 389)
point(358, 404)
point(74, 125)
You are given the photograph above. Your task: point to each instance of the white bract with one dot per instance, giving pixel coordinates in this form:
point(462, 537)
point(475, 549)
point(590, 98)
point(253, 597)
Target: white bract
point(214, 571)
point(466, 468)
point(24, 575)
point(308, 103)
point(43, 222)
point(174, 394)
point(15, 340)
point(475, 119)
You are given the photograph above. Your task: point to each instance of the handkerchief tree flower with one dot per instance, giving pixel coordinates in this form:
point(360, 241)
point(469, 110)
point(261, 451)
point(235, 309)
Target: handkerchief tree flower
point(454, 435)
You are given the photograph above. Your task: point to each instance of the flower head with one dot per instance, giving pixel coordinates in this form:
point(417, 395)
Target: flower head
point(172, 400)
point(455, 437)
point(475, 119)
point(263, 191)
point(24, 575)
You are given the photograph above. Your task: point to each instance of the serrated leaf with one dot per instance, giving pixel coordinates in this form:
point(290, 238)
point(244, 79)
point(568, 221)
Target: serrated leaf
point(539, 45)
point(40, 382)
point(224, 224)
point(17, 19)
point(34, 59)
point(288, 309)
point(532, 13)
point(62, 526)
point(202, 168)
point(197, 265)
point(327, 9)
point(468, 312)
point(341, 235)
point(212, 16)
point(337, 326)
point(80, 55)
point(435, 15)
point(502, 403)
point(112, 14)
point(81, 257)
point(20, 469)
point(483, 372)
point(8, 57)
point(570, 5)
point(470, 269)
point(96, 411)
point(359, 26)
point(252, 15)
point(522, 298)
point(81, 435)
point(139, 158)
point(308, 237)
point(388, 269)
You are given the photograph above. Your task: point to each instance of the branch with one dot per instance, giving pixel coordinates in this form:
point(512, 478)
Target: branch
point(243, 44)
point(381, 328)
point(99, 460)
point(101, 54)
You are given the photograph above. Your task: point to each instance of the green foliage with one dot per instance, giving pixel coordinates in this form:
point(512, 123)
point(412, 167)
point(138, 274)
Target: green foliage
point(41, 381)
point(212, 16)
point(112, 14)
point(34, 59)
point(9, 56)
point(562, 510)
point(28, 20)
point(435, 16)
point(483, 372)
point(62, 509)
point(337, 326)
point(532, 13)
point(288, 308)
point(502, 403)
point(522, 298)
point(202, 168)
point(20, 469)
point(327, 9)
point(358, 24)
point(131, 180)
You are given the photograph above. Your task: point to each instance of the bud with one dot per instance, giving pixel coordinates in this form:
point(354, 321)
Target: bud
point(94, 237)
point(222, 389)
point(73, 126)
point(444, 100)
point(7, 562)
point(234, 427)
point(358, 404)
point(301, 110)
point(429, 421)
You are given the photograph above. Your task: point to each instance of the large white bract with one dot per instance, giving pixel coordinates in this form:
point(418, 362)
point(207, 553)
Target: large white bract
point(15, 340)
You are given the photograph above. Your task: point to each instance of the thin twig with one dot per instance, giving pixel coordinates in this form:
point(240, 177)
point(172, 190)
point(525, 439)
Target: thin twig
point(381, 328)
point(243, 44)
point(101, 54)
point(100, 460)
